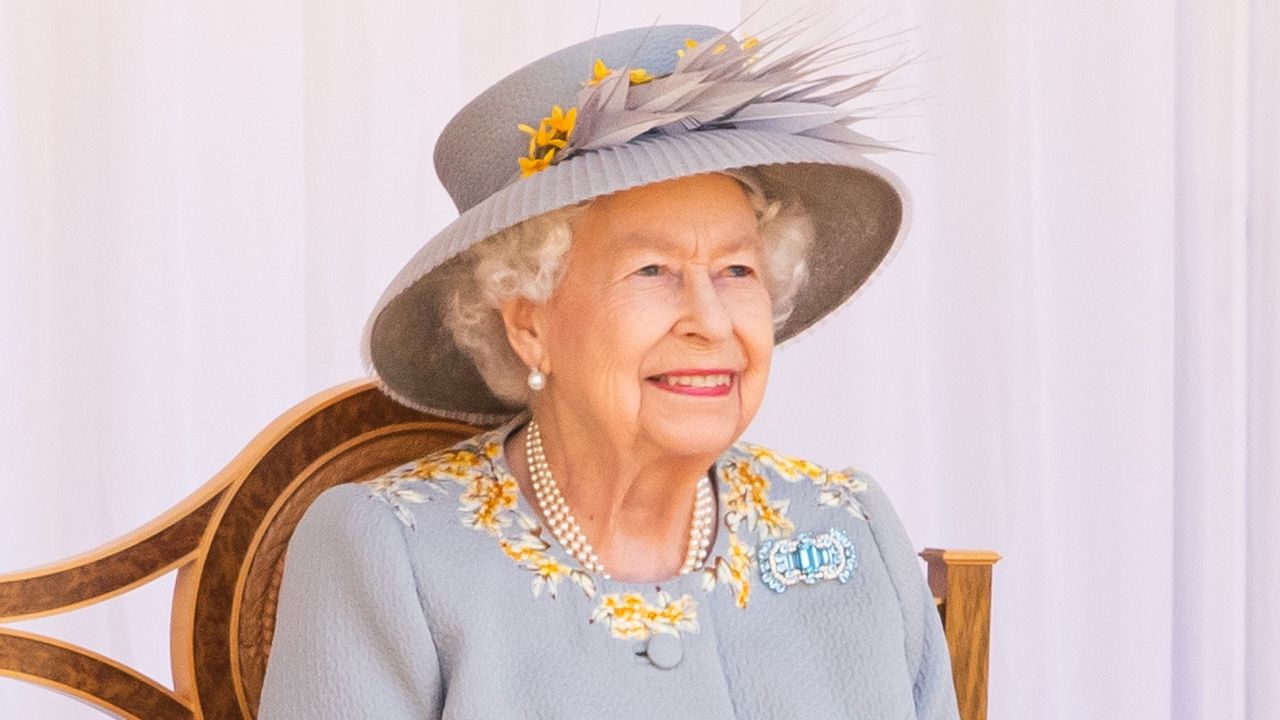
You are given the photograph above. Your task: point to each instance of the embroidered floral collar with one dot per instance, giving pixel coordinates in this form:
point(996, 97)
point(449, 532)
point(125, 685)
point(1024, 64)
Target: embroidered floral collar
point(489, 502)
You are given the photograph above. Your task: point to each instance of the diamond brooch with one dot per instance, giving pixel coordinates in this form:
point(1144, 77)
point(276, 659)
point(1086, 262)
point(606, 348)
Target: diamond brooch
point(806, 558)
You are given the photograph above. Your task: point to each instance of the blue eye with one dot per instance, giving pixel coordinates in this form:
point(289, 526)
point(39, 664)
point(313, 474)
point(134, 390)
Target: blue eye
point(741, 270)
point(650, 270)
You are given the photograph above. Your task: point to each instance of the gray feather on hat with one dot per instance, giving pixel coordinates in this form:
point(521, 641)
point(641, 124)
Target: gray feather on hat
point(717, 83)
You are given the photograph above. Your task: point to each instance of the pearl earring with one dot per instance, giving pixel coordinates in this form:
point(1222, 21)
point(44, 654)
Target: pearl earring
point(537, 380)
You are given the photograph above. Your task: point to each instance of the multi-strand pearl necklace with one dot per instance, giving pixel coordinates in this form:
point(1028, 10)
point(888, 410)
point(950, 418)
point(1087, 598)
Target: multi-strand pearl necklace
point(569, 533)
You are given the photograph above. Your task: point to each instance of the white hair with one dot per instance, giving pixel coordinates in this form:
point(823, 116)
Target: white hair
point(527, 260)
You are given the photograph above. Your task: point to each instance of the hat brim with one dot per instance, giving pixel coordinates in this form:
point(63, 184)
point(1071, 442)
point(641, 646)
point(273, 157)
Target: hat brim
point(858, 209)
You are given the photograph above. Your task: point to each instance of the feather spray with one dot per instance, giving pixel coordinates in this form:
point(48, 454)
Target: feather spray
point(753, 84)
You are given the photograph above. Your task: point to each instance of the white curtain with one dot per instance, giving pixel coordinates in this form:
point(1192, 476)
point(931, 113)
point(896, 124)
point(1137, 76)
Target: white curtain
point(1074, 359)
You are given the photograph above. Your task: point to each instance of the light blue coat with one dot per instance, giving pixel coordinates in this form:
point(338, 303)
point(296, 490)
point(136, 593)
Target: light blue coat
point(432, 593)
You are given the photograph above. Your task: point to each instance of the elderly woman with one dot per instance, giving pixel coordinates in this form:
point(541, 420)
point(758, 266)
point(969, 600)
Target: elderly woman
point(611, 547)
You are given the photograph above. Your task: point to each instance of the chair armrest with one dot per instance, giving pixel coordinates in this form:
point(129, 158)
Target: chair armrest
point(961, 585)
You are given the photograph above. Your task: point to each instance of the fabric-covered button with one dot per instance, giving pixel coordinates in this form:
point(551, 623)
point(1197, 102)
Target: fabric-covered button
point(664, 651)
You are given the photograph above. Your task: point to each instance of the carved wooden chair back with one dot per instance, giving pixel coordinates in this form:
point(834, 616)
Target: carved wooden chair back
point(227, 541)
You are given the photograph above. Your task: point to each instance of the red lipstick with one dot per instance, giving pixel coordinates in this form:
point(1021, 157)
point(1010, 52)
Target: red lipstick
point(711, 382)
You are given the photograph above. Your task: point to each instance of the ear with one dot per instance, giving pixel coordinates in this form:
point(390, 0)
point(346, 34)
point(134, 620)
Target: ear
point(526, 332)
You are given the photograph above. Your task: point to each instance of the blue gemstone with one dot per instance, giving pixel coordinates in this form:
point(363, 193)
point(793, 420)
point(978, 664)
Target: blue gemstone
point(808, 558)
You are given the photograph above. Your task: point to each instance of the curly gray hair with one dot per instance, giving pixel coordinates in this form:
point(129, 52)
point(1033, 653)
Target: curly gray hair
point(527, 260)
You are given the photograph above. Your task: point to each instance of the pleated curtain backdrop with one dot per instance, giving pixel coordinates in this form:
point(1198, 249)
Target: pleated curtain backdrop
point(1074, 359)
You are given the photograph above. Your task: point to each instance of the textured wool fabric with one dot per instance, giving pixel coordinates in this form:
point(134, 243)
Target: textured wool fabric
point(423, 617)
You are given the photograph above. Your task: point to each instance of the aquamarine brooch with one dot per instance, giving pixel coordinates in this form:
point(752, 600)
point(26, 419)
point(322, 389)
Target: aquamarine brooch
point(806, 558)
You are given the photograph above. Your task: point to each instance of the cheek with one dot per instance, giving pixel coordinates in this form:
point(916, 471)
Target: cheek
point(631, 326)
point(605, 337)
point(753, 321)
point(752, 312)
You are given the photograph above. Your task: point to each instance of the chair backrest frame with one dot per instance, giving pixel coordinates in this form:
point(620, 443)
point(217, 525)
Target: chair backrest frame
point(961, 584)
point(227, 539)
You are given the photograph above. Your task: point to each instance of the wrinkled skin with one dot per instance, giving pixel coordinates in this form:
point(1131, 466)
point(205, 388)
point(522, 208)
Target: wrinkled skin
point(661, 278)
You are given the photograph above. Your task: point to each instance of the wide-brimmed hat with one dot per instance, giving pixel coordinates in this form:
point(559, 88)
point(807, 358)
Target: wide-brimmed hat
point(623, 110)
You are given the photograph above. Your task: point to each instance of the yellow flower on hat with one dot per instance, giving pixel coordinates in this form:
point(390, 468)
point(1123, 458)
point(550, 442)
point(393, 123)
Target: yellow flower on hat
point(562, 122)
point(531, 165)
point(554, 131)
point(640, 76)
point(600, 71)
point(552, 134)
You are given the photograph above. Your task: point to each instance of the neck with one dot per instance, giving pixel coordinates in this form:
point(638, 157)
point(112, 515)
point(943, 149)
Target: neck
point(635, 505)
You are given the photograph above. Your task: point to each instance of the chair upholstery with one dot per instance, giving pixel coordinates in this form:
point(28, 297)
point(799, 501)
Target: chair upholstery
point(227, 543)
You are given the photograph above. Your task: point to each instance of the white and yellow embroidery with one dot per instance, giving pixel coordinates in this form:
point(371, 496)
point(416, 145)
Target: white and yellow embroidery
point(630, 616)
point(836, 488)
point(488, 502)
point(529, 551)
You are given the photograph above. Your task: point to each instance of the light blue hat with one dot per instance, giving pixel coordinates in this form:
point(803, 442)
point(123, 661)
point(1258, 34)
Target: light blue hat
point(636, 107)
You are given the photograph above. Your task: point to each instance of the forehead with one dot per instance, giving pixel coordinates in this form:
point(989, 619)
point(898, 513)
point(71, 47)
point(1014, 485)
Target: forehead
point(711, 211)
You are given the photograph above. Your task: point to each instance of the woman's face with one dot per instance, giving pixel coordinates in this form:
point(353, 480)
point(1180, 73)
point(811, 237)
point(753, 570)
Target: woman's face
point(661, 330)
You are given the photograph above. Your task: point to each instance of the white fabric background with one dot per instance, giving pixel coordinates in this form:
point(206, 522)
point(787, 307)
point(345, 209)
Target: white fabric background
point(1074, 359)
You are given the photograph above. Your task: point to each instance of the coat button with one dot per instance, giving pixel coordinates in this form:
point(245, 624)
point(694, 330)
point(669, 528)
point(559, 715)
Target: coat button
point(664, 651)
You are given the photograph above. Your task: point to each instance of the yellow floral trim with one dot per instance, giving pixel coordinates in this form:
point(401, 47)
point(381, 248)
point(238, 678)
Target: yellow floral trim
point(748, 499)
point(630, 617)
point(836, 488)
point(734, 572)
point(639, 76)
point(746, 44)
point(552, 134)
point(460, 465)
point(488, 502)
point(485, 499)
point(550, 140)
point(529, 551)
point(689, 44)
point(600, 71)
point(556, 130)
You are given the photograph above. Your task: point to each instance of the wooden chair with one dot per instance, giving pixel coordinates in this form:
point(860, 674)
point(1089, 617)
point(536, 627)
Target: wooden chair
point(227, 542)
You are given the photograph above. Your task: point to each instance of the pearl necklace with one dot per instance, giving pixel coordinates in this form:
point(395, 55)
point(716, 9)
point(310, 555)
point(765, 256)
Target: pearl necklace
point(567, 531)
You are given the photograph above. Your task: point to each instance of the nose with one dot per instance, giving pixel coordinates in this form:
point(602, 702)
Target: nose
point(702, 311)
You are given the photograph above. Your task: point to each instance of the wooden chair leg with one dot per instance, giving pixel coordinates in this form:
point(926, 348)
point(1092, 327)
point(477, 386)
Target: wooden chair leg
point(961, 581)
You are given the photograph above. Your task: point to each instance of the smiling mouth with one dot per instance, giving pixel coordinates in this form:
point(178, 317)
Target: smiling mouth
point(713, 383)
